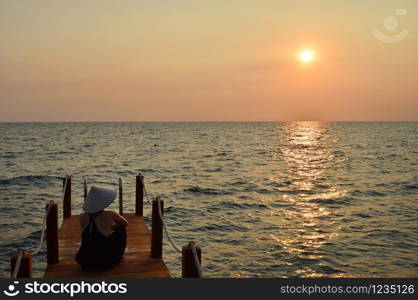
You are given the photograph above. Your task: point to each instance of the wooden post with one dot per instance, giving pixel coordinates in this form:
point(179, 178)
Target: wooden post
point(67, 197)
point(157, 230)
point(120, 196)
point(52, 254)
point(188, 264)
point(25, 268)
point(139, 196)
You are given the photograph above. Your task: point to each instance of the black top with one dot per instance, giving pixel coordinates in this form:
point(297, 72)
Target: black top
point(98, 250)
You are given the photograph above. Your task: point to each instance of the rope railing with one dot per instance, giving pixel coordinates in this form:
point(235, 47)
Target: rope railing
point(41, 240)
point(17, 264)
point(120, 195)
point(145, 190)
point(173, 244)
point(167, 233)
point(64, 187)
point(85, 187)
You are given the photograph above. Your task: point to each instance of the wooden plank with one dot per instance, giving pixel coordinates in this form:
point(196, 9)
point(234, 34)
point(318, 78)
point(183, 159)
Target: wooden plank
point(142, 265)
point(137, 261)
point(143, 268)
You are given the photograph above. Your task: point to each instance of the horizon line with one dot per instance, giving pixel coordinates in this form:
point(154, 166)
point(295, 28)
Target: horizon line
point(208, 121)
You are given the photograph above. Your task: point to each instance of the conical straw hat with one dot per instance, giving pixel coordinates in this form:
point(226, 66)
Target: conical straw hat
point(98, 198)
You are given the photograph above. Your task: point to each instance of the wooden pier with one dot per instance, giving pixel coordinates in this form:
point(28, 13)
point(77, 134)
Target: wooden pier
point(137, 261)
point(143, 254)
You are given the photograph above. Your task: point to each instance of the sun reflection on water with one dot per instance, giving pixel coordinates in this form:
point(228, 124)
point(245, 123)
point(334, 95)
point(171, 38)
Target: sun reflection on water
point(306, 226)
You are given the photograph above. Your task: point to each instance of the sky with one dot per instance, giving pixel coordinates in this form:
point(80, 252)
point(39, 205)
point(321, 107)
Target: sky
point(190, 60)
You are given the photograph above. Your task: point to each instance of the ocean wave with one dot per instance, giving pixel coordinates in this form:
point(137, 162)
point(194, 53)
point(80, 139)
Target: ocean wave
point(374, 193)
point(213, 170)
point(28, 242)
point(222, 205)
point(329, 270)
point(264, 191)
point(279, 184)
point(148, 170)
point(206, 191)
point(31, 179)
point(410, 186)
point(223, 227)
point(362, 215)
point(8, 155)
point(221, 154)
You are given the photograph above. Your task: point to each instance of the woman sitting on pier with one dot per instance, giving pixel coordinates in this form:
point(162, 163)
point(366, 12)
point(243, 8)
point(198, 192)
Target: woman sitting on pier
point(103, 232)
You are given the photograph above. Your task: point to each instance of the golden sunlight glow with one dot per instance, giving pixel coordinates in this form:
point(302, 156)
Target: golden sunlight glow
point(306, 56)
point(305, 148)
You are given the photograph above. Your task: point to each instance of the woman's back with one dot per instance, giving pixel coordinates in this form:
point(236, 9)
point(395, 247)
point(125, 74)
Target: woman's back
point(105, 221)
point(103, 239)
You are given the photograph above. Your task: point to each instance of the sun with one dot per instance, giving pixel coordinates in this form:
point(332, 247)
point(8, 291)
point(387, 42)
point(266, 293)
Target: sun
point(306, 56)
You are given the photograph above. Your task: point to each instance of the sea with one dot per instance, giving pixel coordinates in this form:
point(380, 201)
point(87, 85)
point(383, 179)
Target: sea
point(261, 199)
